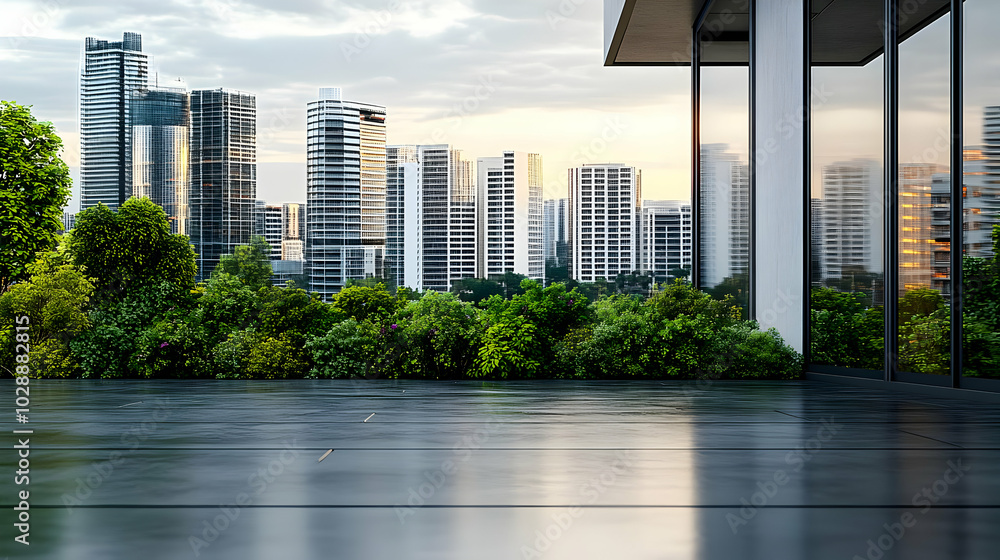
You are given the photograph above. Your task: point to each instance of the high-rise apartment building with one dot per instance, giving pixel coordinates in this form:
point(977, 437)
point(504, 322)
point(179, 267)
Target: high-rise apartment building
point(916, 235)
point(604, 216)
point(850, 219)
point(223, 173)
point(345, 191)
point(979, 210)
point(403, 261)
point(110, 72)
point(293, 231)
point(273, 230)
point(510, 217)
point(665, 243)
point(555, 234)
point(725, 215)
point(431, 216)
point(161, 121)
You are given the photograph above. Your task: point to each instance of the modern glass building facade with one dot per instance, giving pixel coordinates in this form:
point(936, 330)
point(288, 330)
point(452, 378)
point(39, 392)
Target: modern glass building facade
point(510, 217)
point(223, 173)
point(871, 161)
point(161, 120)
point(345, 191)
point(431, 217)
point(556, 231)
point(110, 71)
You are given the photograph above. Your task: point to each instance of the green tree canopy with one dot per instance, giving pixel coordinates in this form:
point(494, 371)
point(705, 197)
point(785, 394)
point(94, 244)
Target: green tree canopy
point(131, 248)
point(250, 263)
point(34, 186)
point(55, 299)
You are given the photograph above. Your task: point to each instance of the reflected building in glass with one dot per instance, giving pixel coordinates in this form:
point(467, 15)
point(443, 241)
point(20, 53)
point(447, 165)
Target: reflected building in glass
point(725, 215)
point(917, 239)
point(161, 119)
point(850, 219)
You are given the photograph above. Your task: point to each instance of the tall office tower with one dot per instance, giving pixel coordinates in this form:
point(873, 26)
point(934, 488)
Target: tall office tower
point(259, 207)
point(110, 72)
point(556, 227)
point(604, 212)
point(402, 255)
point(852, 221)
point(665, 239)
point(916, 237)
point(293, 231)
point(431, 216)
point(273, 230)
point(345, 190)
point(816, 254)
point(510, 217)
point(161, 120)
point(725, 215)
point(223, 173)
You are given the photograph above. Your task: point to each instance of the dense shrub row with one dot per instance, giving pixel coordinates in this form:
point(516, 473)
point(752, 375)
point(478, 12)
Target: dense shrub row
point(145, 318)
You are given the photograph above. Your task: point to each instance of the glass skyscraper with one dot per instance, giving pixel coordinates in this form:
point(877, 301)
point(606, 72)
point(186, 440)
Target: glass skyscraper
point(345, 191)
point(161, 120)
point(223, 173)
point(110, 72)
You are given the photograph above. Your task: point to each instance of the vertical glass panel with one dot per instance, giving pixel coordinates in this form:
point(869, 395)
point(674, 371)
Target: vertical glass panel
point(848, 195)
point(725, 183)
point(924, 154)
point(981, 191)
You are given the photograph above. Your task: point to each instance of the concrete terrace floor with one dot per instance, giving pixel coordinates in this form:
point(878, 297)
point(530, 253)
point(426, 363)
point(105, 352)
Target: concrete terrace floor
point(468, 470)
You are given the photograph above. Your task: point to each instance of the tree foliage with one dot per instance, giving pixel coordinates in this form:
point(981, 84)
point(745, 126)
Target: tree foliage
point(131, 248)
point(250, 263)
point(55, 299)
point(34, 186)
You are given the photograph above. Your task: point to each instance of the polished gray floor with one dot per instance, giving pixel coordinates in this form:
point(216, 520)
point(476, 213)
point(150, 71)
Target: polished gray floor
point(561, 470)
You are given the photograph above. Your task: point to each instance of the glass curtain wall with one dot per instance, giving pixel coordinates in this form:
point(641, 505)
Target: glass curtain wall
point(724, 175)
point(847, 248)
point(924, 187)
point(981, 190)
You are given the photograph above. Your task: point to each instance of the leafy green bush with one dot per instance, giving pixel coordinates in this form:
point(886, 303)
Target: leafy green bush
point(343, 352)
point(248, 354)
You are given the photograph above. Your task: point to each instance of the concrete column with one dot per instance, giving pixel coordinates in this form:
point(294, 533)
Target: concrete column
point(780, 168)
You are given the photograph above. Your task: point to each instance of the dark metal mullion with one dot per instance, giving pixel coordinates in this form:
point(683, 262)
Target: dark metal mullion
point(891, 170)
point(957, 238)
point(807, 180)
point(695, 157)
point(752, 164)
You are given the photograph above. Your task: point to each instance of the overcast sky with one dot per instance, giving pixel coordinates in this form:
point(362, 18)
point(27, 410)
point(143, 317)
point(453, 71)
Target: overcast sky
point(482, 75)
